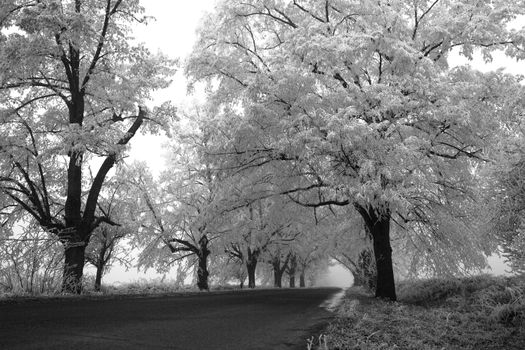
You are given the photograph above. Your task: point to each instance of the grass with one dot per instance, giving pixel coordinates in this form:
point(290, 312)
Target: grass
point(481, 312)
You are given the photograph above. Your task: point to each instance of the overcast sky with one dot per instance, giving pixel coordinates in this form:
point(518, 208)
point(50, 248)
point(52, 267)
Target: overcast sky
point(173, 32)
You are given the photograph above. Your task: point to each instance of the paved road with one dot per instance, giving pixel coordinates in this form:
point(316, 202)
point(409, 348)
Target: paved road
point(260, 319)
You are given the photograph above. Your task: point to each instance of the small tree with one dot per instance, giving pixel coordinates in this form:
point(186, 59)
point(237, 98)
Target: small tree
point(30, 262)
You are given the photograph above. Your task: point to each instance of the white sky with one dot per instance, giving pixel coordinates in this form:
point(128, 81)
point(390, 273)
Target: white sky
point(173, 32)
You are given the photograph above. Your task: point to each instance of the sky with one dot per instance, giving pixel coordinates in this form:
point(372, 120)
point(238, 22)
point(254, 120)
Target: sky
point(173, 32)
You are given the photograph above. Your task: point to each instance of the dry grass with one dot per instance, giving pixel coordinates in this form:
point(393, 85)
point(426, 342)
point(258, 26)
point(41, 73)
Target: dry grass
point(475, 313)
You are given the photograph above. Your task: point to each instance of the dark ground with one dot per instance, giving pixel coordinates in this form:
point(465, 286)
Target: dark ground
point(260, 319)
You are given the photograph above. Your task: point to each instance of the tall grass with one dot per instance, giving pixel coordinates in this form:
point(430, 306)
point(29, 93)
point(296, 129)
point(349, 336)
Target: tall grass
point(500, 299)
point(481, 312)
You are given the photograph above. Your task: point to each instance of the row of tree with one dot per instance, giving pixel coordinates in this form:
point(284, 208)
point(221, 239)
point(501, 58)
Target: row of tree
point(331, 129)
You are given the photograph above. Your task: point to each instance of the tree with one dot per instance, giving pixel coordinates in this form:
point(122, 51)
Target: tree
point(105, 247)
point(71, 82)
point(184, 205)
point(503, 185)
point(359, 96)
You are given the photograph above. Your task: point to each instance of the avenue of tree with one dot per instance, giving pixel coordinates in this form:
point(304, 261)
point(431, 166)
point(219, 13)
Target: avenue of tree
point(332, 130)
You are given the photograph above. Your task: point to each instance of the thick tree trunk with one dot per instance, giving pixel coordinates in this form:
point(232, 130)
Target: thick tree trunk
point(277, 278)
point(251, 265)
point(277, 275)
point(73, 267)
point(302, 282)
point(378, 226)
point(202, 269)
point(202, 272)
point(98, 278)
point(385, 285)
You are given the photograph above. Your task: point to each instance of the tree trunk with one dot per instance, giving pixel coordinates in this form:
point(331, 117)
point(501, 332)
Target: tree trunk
point(202, 273)
point(202, 269)
point(98, 278)
point(302, 283)
point(100, 265)
point(385, 285)
point(378, 226)
point(292, 281)
point(277, 274)
point(73, 267)
point(251, 266)
point(291, 271)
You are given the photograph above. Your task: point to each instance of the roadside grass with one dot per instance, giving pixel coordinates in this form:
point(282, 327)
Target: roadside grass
point(481, 312)
point(137, 288)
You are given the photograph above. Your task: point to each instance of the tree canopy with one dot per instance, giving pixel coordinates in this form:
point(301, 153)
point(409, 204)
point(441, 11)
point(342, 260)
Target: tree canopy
point(361, 98)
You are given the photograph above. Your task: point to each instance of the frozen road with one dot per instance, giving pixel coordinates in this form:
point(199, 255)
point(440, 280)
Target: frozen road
point(260, 319)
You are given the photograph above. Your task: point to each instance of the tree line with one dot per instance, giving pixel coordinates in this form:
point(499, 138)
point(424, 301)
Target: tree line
point(331, 129)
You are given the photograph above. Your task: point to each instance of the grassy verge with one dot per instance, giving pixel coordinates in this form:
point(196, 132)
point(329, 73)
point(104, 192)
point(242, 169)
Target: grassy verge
point(481, 312)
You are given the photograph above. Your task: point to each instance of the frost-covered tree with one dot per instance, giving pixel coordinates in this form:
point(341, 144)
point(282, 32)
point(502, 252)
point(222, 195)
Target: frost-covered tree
point(359, 98)
point(183, 207)
point(30, 260)
point(504, 183)
point(72, 83)
point(107, 247)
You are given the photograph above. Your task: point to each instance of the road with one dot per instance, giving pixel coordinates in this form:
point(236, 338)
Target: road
point(243, 320)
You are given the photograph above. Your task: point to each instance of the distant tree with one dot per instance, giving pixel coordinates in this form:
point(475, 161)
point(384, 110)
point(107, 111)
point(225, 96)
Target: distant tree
point(105, 248)
point(291, 270)
point(359, 98)
point(183, 207)
point(72, 84)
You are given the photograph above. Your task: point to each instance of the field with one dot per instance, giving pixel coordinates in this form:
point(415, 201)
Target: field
point(480, 312)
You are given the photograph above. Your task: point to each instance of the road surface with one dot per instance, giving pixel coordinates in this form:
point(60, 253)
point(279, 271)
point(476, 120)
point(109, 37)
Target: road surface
point(244, 320)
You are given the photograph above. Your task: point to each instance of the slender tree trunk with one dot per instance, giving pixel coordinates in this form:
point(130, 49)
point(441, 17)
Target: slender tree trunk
point(292, 280)
point(378, 226)
point(302, 283)
point(100, 265)
point(73, 267)
point(291, 271)
point(98, 278)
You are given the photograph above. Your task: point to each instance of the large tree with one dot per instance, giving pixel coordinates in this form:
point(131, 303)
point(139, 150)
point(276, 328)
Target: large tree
point(71, 85)
point(360, 97)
